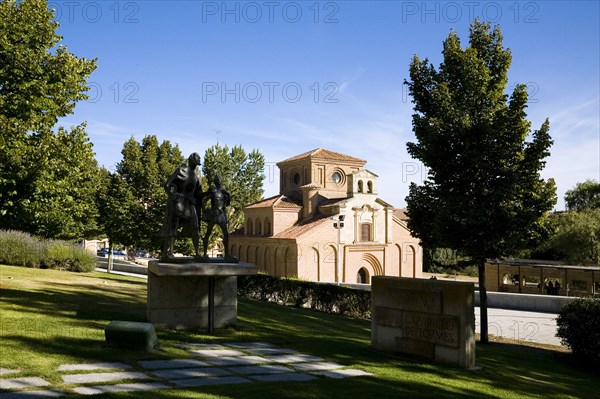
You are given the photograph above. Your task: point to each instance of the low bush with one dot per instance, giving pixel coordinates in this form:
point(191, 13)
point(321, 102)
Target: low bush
point(579, 328)
point(68, 256)
point(21, 249)
point(327, 298)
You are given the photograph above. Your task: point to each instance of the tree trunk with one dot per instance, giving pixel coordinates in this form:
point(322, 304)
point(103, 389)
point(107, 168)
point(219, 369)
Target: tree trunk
point(483, 322)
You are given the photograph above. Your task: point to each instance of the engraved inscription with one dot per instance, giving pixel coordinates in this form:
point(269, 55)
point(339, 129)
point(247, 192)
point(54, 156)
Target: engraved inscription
point(443, 330)
point(427, 301)
point(387, 317)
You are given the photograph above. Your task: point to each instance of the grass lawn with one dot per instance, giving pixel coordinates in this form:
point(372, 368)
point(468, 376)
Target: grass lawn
point(49, 318)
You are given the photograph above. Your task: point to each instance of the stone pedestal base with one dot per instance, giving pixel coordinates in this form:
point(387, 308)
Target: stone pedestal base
point(179, 295)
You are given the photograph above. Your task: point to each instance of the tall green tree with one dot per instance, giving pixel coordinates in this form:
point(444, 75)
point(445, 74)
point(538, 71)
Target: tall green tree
point(577, 237)
point(133, 207)
point(584, 195)
point(241, 173)
point(43, 189)
point(483, 195)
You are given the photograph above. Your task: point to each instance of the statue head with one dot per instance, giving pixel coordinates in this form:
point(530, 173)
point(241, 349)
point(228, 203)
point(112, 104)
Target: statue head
point(218, 181)
point(194, 160)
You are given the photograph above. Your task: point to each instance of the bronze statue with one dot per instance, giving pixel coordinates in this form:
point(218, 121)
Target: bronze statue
point(219, 199)
point(185, 196)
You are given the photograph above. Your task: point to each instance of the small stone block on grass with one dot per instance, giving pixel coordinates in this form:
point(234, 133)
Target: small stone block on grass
point(131, 335)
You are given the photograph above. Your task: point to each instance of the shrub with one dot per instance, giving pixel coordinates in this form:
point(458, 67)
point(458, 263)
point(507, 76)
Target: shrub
point(21, 249)
point(68, 256)
point(318, 296)
point(579, 328)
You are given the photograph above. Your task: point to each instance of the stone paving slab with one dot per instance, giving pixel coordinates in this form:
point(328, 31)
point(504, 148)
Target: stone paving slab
point(291, 358)
point(257, 370)
point(189, 373)
point(93, 366)
point(103, 377)
point(200, 346)
point(171, 364)
point(250, 345)
point(47, 393)
point(216, 352)
point(21, 383)
point(338, 374)
point(8, 371)
point(146, 386)
point(271, 351)
point(197, 382)
point(283, 377)
point(319, 366)
point(237, 361)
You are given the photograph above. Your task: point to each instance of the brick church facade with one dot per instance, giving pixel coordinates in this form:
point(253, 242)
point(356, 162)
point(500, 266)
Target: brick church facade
point(292, 234)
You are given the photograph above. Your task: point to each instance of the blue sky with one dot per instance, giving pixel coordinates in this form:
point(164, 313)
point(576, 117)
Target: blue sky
point(289, 76)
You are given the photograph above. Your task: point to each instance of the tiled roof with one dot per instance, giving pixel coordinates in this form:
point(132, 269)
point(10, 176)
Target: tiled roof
point(401, 213)
point(321, 153)
point(303, 227)
point(277, 201)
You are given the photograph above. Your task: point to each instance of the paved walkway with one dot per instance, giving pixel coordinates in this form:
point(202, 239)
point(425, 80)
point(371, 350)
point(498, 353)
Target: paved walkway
point(521, 325)
point(206, 364)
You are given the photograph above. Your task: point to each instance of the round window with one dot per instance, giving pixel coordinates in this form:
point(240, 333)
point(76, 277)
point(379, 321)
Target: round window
point(296, 178)
point(336, 177)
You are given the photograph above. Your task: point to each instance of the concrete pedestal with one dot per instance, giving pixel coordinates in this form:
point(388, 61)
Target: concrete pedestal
point(188, 296)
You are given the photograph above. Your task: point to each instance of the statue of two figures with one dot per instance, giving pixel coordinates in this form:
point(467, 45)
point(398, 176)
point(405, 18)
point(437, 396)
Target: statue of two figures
point(186, 208)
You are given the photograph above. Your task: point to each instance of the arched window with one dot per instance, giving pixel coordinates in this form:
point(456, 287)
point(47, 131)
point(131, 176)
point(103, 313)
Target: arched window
point(370, 187)
point(250, 227)
point(360, 186)
point(267, 227)
point(258, 228)
point(362, 277)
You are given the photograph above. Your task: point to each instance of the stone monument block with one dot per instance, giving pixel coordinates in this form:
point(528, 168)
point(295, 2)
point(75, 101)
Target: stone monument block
point(430, 318)
point(180, 295)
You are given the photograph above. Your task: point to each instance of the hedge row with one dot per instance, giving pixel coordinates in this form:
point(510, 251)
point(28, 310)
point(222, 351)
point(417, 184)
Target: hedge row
point(21, 249)
point(327, 298)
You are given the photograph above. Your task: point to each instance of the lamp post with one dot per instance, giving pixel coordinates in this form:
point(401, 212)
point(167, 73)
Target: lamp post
point(338, 224)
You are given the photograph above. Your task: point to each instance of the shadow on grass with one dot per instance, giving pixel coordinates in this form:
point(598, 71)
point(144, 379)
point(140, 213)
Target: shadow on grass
point(91, 303)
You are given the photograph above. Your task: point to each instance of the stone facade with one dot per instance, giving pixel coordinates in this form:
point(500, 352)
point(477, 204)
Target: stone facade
point(292, 234)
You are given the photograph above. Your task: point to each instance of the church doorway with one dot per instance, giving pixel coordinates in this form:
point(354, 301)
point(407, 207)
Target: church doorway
point(362, 277)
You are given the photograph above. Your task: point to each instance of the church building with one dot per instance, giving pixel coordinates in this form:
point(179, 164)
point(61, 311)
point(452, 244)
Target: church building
point(327, 224)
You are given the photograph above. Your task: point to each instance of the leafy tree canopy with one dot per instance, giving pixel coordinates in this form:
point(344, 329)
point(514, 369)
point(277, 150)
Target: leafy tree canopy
point(133, 206)
point(484, 195)
point(242, 175)
point(584, 195)
point(47, 178)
